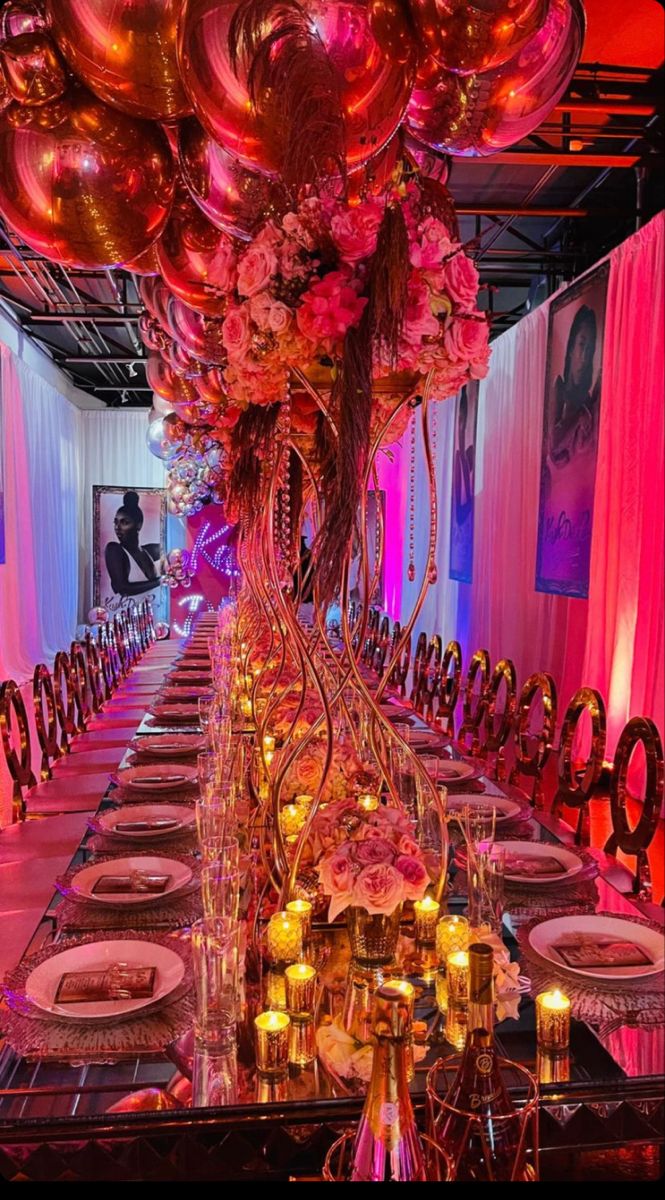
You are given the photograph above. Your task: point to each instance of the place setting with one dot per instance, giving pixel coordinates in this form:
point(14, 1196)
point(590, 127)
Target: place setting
point(171, 823)
point(144, 888)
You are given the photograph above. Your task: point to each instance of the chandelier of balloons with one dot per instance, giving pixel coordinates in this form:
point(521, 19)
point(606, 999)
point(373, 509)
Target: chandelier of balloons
point(274, 172)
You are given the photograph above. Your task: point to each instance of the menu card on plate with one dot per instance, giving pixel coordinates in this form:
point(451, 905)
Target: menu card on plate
point(112, 983)
point(138, 881)
point(539, 864)
point(603, 954)
point(157, 823)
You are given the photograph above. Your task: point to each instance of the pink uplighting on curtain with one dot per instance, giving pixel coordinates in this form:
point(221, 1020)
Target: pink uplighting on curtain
point(614, 640)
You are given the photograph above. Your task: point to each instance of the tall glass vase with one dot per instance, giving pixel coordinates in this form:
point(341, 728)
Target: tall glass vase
point(373, 938)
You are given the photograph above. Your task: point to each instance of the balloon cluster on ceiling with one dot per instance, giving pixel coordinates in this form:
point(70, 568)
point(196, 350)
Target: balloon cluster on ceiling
point(273, 171)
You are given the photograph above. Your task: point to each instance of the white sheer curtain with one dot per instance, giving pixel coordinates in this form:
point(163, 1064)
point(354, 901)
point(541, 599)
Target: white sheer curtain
point(613, 641)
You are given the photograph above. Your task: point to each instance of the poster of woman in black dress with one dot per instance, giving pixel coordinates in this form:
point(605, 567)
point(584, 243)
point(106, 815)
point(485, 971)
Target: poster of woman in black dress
point(129, 534)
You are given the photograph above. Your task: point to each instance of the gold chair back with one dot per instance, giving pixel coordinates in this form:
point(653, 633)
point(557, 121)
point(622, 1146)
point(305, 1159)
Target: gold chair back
point(98, 687)
point(474, 704)
point(449, 689)
point(430, 676)
point(637, 841)
point(496, 736)
point(382, 644)
point(81, 681)
point(14, 719)
point(67, 699)
point(419, 667)
point(400, 664)
point(577, 783)
point(539, 684)
point(46, 719)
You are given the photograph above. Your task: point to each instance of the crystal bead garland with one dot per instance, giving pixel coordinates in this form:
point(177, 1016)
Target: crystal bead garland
point(411, 570)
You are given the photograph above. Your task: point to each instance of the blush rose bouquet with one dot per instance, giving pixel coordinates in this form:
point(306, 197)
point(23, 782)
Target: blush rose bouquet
point(369, 860)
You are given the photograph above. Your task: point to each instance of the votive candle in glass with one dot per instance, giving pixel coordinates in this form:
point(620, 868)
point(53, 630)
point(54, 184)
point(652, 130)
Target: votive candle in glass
point(427, 914)
point(457, 970)
point(368, 802)
point(275, 990)
point(268, 742)
point(452, 933)
point(291, 820)
point(300, 984)
point(302, 1042)
point(553, 1021)
point(246, 707)
point(302, 909)
point(284, 938)
point(271, 1038)
point(304, 802)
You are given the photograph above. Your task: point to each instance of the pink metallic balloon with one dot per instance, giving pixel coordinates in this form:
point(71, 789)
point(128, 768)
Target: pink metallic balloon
point(234, 198)
point(32, 68)
point(144, 264)
point(477, 115)
point(83, 184)
point(374, 91)
point(470, 36)
point(195, 413)
point(197, 261)
point(197, 333)
point(125, 52)
point(21, 16)
point(161, 378)
point(210, 386)
point(182, 362)
point(150, 332)
point(155, 295)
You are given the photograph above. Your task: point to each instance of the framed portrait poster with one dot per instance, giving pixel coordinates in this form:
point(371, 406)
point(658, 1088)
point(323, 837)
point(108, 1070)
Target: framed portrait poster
point(571, 419)
point(463, 485)
point(129, 533)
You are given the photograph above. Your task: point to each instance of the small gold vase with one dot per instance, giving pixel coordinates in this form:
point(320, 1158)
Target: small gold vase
point(373, 936)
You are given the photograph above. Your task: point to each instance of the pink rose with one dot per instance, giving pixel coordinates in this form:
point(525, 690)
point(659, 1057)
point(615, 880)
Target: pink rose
point(279, 317)
point(255, 269)
point(269, 235)
point(221, 273)
point(337, 880)
point(291, 264)
point(460, 281)
point(407, 845)
point(330, 306)
point(414, 875)
point(466, 339)
point(236, 332)
point(379, 888)
point(374, 850)
point(432, 247)
point(355, 230)
point(420, 320)
point(259, 307)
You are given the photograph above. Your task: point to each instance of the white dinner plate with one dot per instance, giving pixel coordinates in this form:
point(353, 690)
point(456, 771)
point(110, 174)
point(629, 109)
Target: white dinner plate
point(84, 881)
point(172, 818)
point(169, 745)
point(526, 850)
point(545, 937)
point(42, 984)
point(185, 691)
point(506, 810)
point(162, 777)
point(178, 713)
point(450, 772)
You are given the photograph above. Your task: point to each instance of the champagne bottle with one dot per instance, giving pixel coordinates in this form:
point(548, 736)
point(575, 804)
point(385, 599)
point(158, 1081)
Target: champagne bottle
point(388, 1148)
point(487, 1149)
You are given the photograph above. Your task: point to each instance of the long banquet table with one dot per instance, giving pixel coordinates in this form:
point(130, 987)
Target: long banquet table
point(54, 1114)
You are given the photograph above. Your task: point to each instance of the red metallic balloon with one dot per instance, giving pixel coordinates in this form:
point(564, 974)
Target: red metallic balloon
point(21, 16)
point(393, 28)
point(194, 413)
point(83, 184)
point(150, 332)
point(196, 260)
point(182, 362)
point(429, 162)
point(32, 68)
point(161, 377)
point(144, 264)
point(125, 51)
point(5, 98)
point(155, 295)
point(374, 91)
point(234, 198)
point(200, 335)
point(477, 115)
point(470, 36)
point(210, 386)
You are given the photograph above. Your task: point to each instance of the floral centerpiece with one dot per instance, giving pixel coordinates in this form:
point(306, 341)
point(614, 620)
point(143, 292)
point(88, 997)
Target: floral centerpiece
point(305, 773)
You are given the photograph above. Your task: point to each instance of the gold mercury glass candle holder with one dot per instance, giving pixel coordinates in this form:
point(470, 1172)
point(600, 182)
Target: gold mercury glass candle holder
point(275, 990)
point(452, 933)
point(300, 987)
point(302, 1042)
point(553, 1021)
point(457, 970)
point(304, 802)
point(291, 820)
point(284, 938)
point(271, 1038)
point(302, 909)
point(426, 917)
point(368, 801)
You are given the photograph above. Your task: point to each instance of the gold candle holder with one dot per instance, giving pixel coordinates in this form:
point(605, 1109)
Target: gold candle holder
point(246, 707)
point(275, 990)
point(302, 909)
point(427, 914)
point(553, 1021)
point(457, 970)
point(268, 742)
point(368, 802)
point(271, 1039)
point(457, 1021)
point(441, 991)
point(452, 933)
point(553, 1068)
point(291, 820)
point(304, 802)
point(268, 756)
point(302, 1043)
point(284, 938)
point(300, 985)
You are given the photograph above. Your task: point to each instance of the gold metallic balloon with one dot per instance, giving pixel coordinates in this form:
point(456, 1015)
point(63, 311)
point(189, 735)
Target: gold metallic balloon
point(373, 90)
point(144, 264)
point(471, 36)
point(125, 52)
point(83, 184)
point(196, 260)
point(232, 196)
point(32, 68)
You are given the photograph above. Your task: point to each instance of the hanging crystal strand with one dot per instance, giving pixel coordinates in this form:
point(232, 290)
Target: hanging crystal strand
point(432, 573)
point(411, 569)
